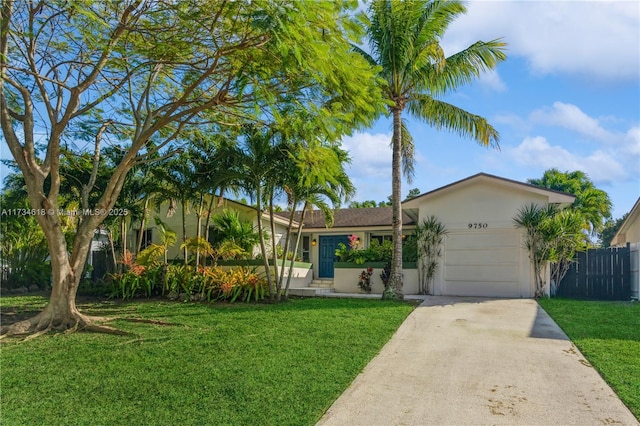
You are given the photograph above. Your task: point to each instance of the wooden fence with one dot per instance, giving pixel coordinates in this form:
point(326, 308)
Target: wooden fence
point(598, 274)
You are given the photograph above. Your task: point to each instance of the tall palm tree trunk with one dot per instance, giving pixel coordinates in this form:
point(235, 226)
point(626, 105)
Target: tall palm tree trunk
point(143, 224)
point(185, 251)
point(199, 227)
point(297, 244)
point(394, 290)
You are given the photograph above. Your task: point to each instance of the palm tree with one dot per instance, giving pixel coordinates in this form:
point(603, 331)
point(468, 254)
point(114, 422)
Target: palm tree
point(593, 204)
point(228, 226)
point(404, 41)
point(532, 218)
point(315, 178)
point(177, 185)
point(256, 164)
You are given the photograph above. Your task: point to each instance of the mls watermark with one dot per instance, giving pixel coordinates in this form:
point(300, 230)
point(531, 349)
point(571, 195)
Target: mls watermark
point(64, 212)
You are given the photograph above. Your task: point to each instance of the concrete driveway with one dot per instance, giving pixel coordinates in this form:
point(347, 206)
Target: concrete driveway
point(459, 360)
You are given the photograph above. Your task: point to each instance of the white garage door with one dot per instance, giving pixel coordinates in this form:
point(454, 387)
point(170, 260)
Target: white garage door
point(482, 263)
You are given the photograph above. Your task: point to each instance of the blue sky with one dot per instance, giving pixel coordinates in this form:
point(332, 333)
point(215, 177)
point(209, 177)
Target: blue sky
point(568, 97)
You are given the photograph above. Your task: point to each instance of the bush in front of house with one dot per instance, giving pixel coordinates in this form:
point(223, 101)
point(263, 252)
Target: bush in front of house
point(376, 252)
point(364, 281)
point(188, 283)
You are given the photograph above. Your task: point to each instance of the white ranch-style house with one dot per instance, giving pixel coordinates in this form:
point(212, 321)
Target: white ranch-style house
point(482, 253)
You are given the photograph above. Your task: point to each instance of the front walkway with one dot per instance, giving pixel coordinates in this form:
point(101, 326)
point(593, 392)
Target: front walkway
point(458, 361)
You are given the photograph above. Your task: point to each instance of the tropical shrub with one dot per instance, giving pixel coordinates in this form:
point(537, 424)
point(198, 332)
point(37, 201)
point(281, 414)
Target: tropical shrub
point(23, 249)
point(410, 249)
point(229, 227)
point(429, 236)
point(190, 283)
point(376, 252)
point(365, 280)
point(236, 284)
point(551, 235)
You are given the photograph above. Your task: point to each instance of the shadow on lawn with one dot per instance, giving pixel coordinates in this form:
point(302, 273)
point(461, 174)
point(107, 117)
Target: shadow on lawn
point(597, 320)
point(14, 308)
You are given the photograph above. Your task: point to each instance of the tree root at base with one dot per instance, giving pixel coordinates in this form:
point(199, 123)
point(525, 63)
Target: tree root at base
point(46, 322)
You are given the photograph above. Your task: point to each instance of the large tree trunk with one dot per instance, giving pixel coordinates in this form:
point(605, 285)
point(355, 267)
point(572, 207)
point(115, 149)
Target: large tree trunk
point(61, 313)
point(394, 290)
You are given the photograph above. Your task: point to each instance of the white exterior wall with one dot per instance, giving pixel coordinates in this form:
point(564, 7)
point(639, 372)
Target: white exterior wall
point(346, 280)
point(633, 233)
point(300, 277)
point(492, 246)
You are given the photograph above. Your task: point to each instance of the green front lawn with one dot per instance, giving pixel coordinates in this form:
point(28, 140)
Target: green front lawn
point(608, 334)
point(204, 364)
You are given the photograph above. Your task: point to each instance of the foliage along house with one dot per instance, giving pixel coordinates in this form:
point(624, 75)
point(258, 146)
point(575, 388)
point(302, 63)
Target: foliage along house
point(482, 254)
point(174, 222)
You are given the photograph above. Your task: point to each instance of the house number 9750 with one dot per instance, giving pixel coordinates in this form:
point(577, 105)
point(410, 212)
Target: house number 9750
point(477, 225)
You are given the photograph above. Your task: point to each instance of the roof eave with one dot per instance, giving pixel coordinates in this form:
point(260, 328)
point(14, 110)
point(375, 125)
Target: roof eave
point(633, 215)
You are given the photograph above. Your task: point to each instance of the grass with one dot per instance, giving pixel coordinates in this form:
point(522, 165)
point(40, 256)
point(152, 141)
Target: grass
point(608, 334)
point(235, 364)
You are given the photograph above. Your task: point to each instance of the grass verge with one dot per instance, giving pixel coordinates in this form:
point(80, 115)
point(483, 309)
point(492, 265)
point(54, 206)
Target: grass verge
point(238, 364)
point(608, 335)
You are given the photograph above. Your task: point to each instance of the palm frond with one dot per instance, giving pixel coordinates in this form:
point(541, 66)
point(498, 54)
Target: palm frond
point(408, 152)
point(465, 66)
point(365, 55)
point(440, 115)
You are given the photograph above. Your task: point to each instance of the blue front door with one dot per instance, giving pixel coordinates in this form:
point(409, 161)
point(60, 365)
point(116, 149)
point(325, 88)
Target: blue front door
point(328, 246)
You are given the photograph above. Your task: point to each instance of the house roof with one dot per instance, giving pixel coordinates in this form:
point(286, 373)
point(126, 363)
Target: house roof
point(283, 220)
point(624, 228)
point(558, 197)
point(351, 218)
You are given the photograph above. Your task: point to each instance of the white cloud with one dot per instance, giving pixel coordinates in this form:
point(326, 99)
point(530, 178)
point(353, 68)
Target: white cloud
point(536, 151)
point(512, 120)
point(632, 141)
point(492, 81)
point(598, 39)
point(370, 154)
point(573, 118)
point(623, 146)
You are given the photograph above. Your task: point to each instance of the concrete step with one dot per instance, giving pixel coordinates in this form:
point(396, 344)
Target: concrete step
point(321, 283)
point(309, 291)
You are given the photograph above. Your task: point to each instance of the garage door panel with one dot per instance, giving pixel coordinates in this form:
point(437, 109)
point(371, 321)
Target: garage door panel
point(482, 263)
point(482, 273)
point(483, 239)
point(481, 257)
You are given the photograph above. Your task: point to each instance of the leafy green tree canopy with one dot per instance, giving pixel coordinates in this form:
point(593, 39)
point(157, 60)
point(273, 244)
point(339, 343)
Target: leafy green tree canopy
point(140, 73)
point(592, 203)
point(609, 230)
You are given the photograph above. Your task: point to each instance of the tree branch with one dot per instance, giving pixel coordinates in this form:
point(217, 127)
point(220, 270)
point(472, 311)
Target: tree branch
point(86, 189)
